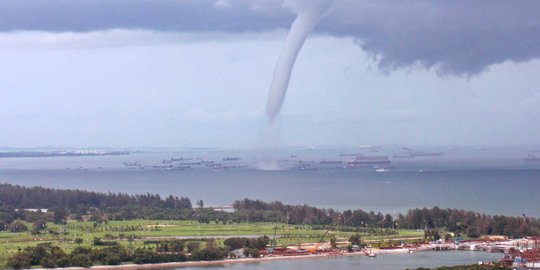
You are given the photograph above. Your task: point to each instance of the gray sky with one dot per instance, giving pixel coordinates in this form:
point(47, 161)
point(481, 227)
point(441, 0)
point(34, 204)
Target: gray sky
point(197, 73)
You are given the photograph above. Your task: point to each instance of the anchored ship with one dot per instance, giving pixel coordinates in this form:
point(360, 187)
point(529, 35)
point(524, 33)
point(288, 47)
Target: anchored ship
point(369, 161)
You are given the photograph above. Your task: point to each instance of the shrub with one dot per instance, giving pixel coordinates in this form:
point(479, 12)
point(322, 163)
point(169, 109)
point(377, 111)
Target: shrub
point(17, 226)
point(19, 261)
point(473, 232)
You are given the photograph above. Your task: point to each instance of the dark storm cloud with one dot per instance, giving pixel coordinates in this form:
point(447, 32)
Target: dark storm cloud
point(160, 15)
point(459, 37)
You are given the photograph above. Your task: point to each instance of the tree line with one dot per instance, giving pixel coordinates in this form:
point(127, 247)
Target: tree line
point(472, 223)
point(99, 207)
point(256, 210)
point(19, 197)
point(48, 255)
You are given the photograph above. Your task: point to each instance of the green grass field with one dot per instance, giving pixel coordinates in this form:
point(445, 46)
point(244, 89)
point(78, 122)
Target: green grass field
point(140, 230)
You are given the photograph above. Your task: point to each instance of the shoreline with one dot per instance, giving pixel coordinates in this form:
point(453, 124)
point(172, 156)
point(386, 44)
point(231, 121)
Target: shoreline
point(171, 265)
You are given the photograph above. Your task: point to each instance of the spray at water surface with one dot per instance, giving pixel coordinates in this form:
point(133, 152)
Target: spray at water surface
point(309, 13)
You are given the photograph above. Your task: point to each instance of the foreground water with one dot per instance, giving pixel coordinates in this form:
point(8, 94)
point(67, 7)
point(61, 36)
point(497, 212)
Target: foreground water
point(382, 262)
point(492, 181)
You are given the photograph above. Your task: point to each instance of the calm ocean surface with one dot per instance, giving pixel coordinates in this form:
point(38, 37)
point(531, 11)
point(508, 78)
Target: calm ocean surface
point(382, 262)
point(494, 181)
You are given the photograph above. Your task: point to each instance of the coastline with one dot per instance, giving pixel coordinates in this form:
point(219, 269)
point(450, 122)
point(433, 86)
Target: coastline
point(474, 247)
point(170, 265)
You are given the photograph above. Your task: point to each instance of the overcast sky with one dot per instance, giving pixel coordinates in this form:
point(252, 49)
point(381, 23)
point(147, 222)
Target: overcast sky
point(197, 73)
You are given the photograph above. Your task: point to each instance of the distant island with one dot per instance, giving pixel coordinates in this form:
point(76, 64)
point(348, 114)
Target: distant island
point(73, 153)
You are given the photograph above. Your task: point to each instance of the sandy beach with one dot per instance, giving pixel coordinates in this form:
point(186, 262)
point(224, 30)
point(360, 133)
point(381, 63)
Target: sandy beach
point(207, 263)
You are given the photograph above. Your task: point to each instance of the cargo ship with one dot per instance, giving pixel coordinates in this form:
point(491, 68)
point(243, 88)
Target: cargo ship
point(368, 161)
point(331, 162)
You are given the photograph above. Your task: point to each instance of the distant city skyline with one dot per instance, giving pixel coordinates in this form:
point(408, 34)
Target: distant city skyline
point(197, 73)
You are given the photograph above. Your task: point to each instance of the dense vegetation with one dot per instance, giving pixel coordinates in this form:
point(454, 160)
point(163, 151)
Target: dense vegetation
point(100, 207)
point(453, 220)
point(165, 236)
point(49, 256)
point(38, 197)
point(471, 223)
point(104, 217)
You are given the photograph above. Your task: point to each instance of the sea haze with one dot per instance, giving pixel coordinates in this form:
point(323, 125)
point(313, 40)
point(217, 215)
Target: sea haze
point(489, 180)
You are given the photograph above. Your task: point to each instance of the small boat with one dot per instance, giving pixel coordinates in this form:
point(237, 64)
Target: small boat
point(382, 170)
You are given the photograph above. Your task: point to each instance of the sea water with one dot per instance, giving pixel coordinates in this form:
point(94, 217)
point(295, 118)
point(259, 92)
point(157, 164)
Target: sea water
point(381, 262)
point(493, 181)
